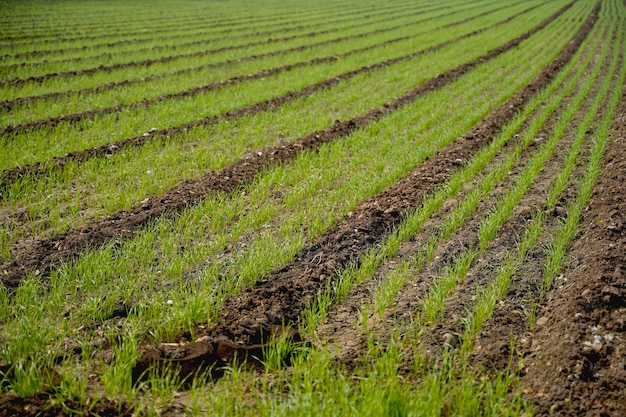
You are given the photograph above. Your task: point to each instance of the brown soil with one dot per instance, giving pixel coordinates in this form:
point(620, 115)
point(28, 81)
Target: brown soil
point(40, 256)
point(249, 319)
point(579, 361)
point(39, 406)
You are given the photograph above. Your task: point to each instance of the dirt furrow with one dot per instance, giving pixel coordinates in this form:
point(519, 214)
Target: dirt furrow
point(11, 175)
point(8, 105)
point(40, 256)
point(479, 276)
point(246, 321)
point(339, 330)
point(510, 318)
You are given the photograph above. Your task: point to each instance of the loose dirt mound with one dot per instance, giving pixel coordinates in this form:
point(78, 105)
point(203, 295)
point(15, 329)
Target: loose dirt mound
point(38, 405)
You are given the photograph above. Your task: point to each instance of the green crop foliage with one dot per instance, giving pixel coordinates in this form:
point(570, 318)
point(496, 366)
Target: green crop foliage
point(72, 334)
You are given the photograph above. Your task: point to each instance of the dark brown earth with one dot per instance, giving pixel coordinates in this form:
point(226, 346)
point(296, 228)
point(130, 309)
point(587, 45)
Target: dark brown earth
point(579, 361)
point(40, 256)
point(39, 405)
point(279, 298)
point(10, 104)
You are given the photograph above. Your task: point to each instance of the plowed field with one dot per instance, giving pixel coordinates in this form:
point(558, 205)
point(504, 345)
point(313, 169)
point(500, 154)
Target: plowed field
point(313, 208)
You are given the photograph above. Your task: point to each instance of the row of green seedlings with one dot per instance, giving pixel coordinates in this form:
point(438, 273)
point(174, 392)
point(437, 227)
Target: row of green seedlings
point(41, 18)
point(181, 44)
point(61, 194)
point(443, 388)
point(564, 234)
point(121, 37)
point(338, 391)
point(371, 263)
point(236, 57)
point(315, 389)
point(149, 270)
point(238, 21)
point(176, 75)
point(94, 179)
point(199, 64)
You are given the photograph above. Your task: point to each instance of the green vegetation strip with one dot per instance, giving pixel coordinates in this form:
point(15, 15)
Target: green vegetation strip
point(156, 49)
point(95, 291)
point(413, 223)
point(143, 33)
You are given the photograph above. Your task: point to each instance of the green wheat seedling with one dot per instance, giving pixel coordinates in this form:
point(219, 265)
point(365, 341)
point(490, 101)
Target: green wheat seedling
point(568, 229)
point(182, 78)
point(177, 272)
point(156, 178)
point(457, 218)
point(434, 302)
point(498, 288)
point(89, 267)
point(353, 276)
point(36, 145)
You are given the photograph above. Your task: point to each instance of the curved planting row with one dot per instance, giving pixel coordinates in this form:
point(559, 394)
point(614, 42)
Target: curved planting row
point(73, 118)
point(149, 33)
point(397, 242)
point(197, 51)
point(246, 32)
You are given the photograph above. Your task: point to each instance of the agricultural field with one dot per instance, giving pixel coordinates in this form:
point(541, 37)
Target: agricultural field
point(291, 208)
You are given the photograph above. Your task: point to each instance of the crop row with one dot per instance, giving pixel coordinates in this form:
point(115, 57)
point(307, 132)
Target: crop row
point(241, 62)
point(147, 28)
point(355, 275)
point(230, 39)
point(207, 37)
point(125, 38)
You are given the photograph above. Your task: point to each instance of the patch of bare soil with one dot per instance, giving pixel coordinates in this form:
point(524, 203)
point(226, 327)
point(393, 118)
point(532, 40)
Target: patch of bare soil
point(579, 366)
point(249, 319)
point(40, 256)
point(40, 406)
